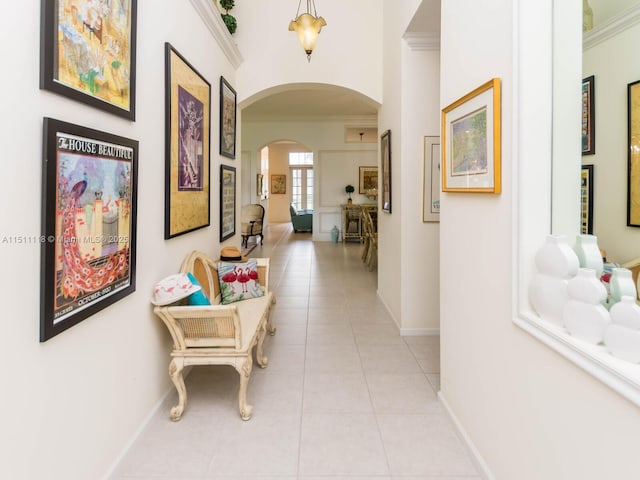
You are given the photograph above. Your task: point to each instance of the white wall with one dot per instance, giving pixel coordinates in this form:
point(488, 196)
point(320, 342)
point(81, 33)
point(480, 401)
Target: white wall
point(71, 405)
point(529, 412)
point(335, 164)
point(614, 64)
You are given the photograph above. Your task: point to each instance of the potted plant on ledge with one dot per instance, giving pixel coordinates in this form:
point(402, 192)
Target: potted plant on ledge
point(349, 189)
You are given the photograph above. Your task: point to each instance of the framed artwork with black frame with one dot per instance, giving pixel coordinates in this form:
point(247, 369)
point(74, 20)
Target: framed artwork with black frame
point(88, 53)
point(88, 240)
point(187, 146)
point(586, 200)
point(588, 116)
point(385, 149)
point(227, 202)
point(227, 119)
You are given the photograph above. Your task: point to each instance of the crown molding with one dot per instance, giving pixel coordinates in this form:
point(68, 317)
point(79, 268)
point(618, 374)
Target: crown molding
point(422, 41)
point(211, 17)
point(612, 27)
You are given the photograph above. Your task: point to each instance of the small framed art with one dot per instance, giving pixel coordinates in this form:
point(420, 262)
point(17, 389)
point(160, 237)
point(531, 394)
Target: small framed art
point(88, 253)
point(588, 116)
point(586, 200)
point(88, 53)
point(431, 180)
point(227, 119)
point(187, 146)
point(278, 184)
point(368, 180)
point(227, 202)
point(633, 154)
point(471, 141)
point(385, 152)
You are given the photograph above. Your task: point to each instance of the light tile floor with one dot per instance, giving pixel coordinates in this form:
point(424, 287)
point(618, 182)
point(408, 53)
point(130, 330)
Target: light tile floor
point(344, 395)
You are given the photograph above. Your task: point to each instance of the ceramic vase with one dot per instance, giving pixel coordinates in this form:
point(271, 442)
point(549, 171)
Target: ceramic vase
point(556, 258)
point(588, 253)
point(623, 342)
point(626, 313)
point(621, 284)
point(586, 287)
point(548, 296)
point(584, 315)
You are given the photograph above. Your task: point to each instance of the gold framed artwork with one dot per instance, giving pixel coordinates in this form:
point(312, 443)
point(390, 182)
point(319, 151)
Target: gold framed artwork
point(88, 52)
point(278, 184)
point(187, 146)
point(633, 154)
point(471, 141)
point(368, 180)
point(385, 152)
point(431, 180)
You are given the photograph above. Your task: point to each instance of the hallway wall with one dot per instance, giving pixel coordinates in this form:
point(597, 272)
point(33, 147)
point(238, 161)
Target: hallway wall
point(72, 404)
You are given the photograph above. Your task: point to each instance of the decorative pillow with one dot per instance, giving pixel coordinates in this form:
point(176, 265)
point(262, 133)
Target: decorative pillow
point(199, 297)
point(239, 281)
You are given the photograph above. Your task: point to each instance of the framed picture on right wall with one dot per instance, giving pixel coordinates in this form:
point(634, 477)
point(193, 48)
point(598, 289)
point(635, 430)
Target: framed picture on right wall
point(385, 190)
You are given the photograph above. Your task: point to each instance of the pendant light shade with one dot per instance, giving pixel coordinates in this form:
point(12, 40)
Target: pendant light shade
point(308, 27)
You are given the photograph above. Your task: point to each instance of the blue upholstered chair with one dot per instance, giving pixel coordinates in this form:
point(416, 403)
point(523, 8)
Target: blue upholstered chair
point(302, 220)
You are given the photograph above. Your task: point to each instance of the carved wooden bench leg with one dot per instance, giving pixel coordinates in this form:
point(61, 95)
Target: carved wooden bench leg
point(244, 369)
point(270, 328)
point(175, 372)
point(260, 356)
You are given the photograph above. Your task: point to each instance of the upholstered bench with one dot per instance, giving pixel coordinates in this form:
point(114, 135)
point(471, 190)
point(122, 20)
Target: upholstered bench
point(217, 334)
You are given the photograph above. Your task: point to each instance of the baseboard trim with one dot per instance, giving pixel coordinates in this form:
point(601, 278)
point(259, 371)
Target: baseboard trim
point(419, 332)
point(476, 458)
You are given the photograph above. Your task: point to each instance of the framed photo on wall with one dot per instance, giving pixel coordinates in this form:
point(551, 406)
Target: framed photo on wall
point(227, 202)
point(633, 154)
point(588, 116)
point(368, 180)
point(471, 141)
point(586, 200)
point(385, 151)
point(227, 119)
point(187, 146)
point(88, 241)
point(278, 184)
point(431, 180)
point(88, 53)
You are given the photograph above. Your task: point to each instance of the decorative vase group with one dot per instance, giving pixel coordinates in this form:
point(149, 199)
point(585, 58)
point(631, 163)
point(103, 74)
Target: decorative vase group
point(622, 337)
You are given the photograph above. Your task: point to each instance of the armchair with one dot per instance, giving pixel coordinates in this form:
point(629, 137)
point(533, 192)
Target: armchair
point(302, 220)
point(251, 222)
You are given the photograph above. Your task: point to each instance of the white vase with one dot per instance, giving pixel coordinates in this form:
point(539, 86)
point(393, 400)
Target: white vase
point(556, 258)
point(621, 284)
point(626, 313)
point(623, 342)
point(548, 296)
point(586, 287)
point(586, 321)
point(589, 255)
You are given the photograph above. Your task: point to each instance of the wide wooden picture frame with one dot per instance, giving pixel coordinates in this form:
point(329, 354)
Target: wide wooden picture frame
point(278, 184)
point(227, 202)
point(385, 152)
point(471, 141)
point(367, 179)
point(187, 146)
point(586, 200)
point(88, 53)
point(633, 154)
point(88, 236)
point(228, 99)
point(431, 179)
point(588, 116)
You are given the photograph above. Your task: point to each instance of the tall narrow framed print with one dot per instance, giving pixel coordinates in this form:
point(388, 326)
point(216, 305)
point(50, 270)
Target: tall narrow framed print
point(88, 241)
point(88, 52)
point(586, 200)
point(385, 151)
point(227, 202)
point(227, 119)
point(431, 180)
point(187, 146)
point(588, 116)
point(471, 141)
point(633, 153)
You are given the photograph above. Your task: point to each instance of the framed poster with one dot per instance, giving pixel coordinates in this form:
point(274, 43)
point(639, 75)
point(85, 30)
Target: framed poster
point(259, 185)
point(586, 200)
point(633, 154)
point(227, 119)
point(471, 141)
point(588, 116)
point(431, 180)
point(187, 146)
point(278, 184)
point(385, 149)
point(227, 202)
point(88, 52)
point(89, 185)
point(368, 180)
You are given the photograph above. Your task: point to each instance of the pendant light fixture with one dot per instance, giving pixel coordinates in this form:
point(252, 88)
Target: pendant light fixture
point(307, 26)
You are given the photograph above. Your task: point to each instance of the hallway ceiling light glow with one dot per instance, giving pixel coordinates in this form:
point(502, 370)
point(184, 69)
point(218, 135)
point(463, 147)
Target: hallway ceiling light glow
point(307, 27)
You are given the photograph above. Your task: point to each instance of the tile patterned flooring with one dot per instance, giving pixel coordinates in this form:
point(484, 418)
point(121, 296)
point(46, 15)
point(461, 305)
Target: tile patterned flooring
point(343, 397)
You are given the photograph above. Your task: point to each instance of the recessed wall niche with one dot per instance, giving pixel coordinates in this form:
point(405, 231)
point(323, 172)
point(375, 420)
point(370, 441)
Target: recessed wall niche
point(360, 134)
